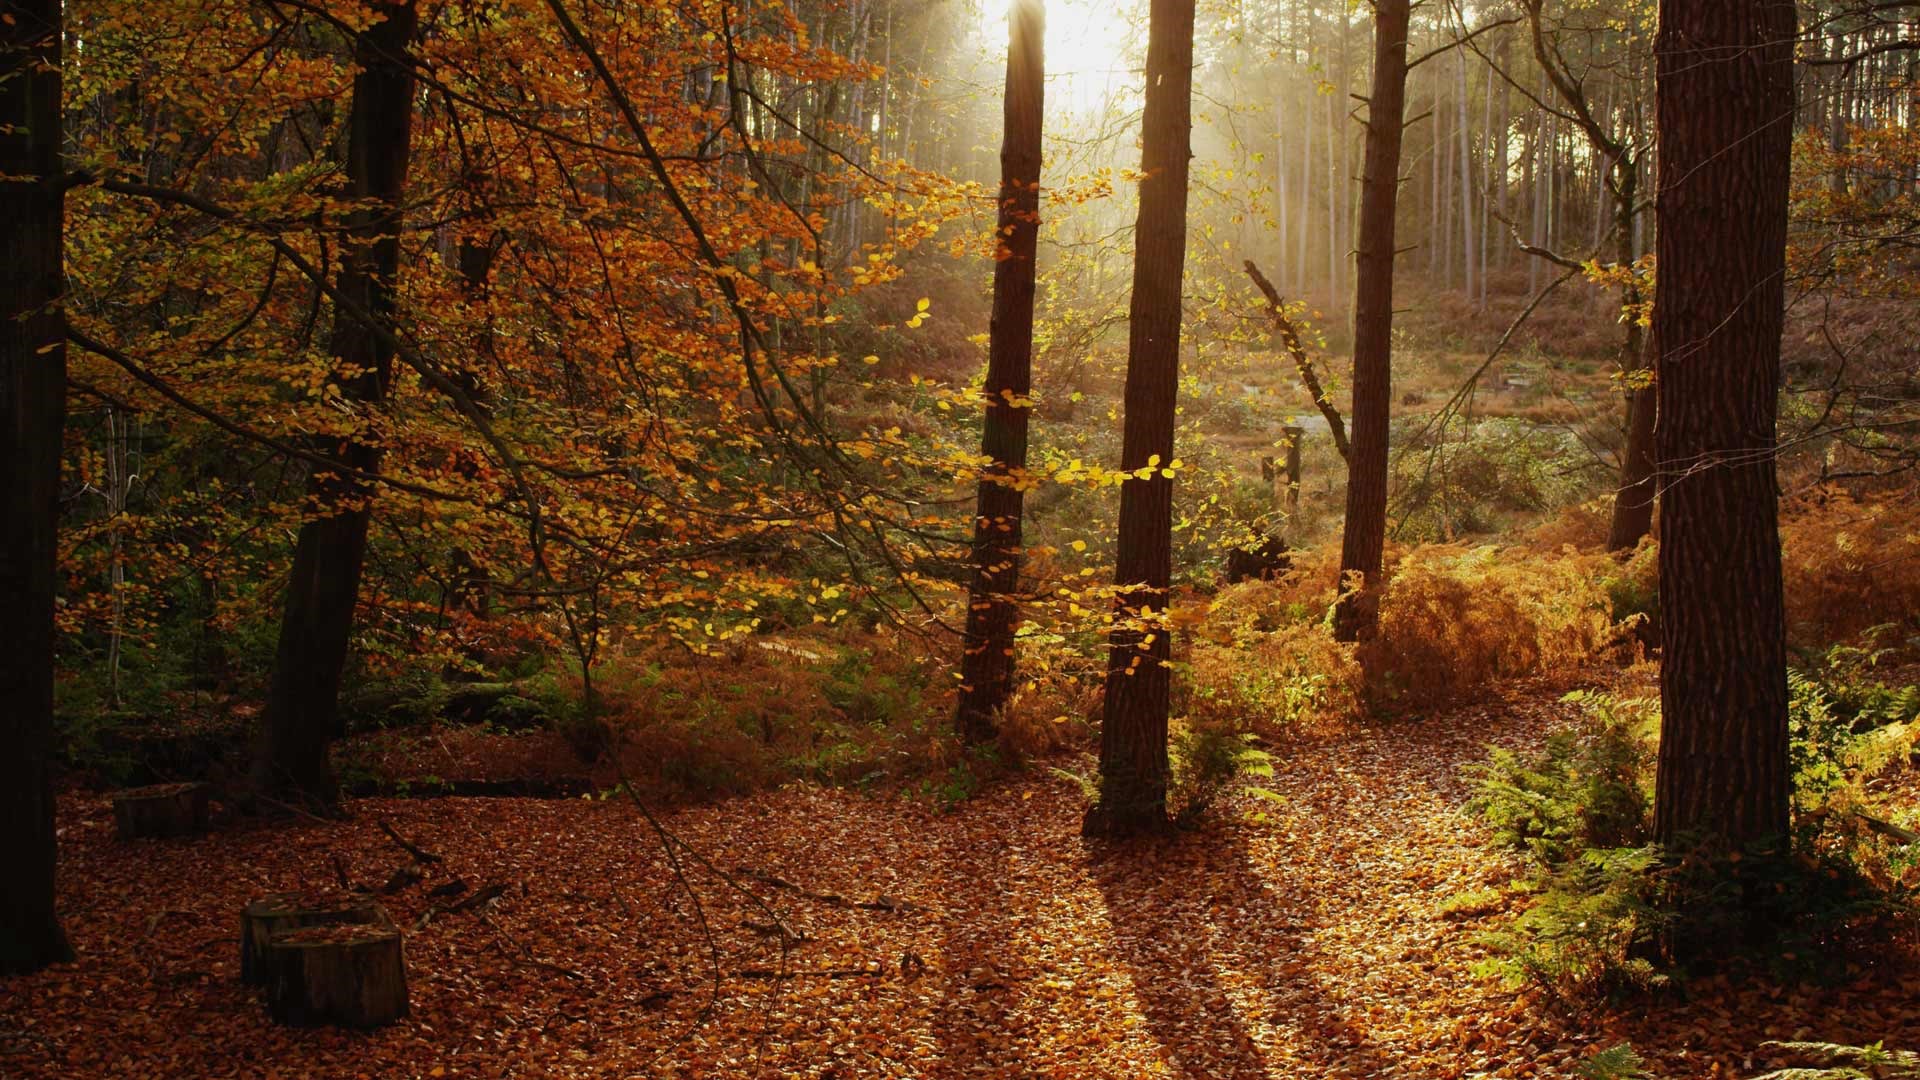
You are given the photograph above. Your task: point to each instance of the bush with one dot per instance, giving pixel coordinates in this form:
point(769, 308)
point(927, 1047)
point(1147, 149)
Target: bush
point(1454, 620)
point(1209, 761)
point(1607, 901)
point(1586, 788)
point(1850, 565)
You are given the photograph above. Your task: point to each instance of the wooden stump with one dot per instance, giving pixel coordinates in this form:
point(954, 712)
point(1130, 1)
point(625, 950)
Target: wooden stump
point(353, 976)
point(271, 916)
point(161, 810)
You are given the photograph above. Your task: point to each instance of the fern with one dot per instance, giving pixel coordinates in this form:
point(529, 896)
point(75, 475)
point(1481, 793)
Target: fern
point(1615, 1063)
point(1833, 1061)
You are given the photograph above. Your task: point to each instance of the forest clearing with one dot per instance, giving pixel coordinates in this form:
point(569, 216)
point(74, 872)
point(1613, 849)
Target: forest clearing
point(1016, 538)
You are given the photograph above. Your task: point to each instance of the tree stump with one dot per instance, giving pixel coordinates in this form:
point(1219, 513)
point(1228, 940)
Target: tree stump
point(271, 916)
point(353, 976)
point(161, 810)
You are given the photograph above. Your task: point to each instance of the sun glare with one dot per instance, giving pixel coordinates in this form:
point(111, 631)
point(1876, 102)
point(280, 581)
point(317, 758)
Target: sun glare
point(1094, 48)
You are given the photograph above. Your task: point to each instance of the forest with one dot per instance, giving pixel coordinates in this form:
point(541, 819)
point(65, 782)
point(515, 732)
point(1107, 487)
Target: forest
point(948, 538)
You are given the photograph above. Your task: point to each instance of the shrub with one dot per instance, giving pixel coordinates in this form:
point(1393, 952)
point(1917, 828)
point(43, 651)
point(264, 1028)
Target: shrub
point(1209, 761)
point(1586, 788)
point(1850, 565)
point(1606, 901)
point(1453, 620)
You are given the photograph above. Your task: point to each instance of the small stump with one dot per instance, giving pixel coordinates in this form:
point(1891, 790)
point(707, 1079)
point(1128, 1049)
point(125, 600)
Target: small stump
point(269, 917)
point(161, 810)
point(354, 976)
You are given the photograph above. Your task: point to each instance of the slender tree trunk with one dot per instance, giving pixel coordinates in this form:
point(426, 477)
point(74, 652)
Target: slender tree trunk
point(1335, 101)
point(1436, 232)
point(33, 378)
point(1633, 501)
point(1725, 94)
point(1503, 133)
point(1364, 537)
point(1536, 195)
point(987, 663)
point(1467, 236)
point(302, 715)
point(1303, 223)
point(1133, 732)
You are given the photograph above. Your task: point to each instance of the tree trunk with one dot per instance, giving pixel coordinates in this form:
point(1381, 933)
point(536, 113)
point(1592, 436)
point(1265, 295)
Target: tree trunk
point(268, 917)
point(1725, 97)
point(161, 810)
point(1364, 536)
point(352, 976)
point(987, 664)
point(33, 374)
point(1633, 501)
point(302, 714)
point(1133, 732)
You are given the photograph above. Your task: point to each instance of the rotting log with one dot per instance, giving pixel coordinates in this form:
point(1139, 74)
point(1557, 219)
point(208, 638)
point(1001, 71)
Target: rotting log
point(351, 976)
point(271, 916)
point(161, 810)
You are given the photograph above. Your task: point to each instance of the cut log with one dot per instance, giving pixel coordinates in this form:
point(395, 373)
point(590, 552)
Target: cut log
point(352, 976)
point(161, 810)
point(268, 917)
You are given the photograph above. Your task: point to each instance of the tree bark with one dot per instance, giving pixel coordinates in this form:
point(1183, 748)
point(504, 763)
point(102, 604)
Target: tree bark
point(302, 715)
point(1725, 99)
point(1633, 501)
point(33, 366)
point(1133, 732)
point(1364, 536)
point(987, 663)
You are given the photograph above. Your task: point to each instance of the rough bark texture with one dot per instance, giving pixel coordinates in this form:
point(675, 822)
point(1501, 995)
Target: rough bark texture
point(1725, 121)
point(33, 366)
point(986, 666)
point(1133, 732)
point(1364, 536)
point(302, 714)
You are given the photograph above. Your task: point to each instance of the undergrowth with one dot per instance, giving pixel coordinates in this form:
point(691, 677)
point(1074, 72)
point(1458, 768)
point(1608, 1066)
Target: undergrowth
point(1605, 899)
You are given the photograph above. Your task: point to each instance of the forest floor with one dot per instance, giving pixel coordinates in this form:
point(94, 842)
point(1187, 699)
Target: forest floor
point(1308, 937)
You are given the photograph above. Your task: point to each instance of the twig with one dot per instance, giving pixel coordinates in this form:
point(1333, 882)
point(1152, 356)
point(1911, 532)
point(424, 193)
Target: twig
point(526, 959)
point(420, 854)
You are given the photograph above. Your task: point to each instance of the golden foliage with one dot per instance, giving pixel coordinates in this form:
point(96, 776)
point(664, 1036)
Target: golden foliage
point(1849, 564)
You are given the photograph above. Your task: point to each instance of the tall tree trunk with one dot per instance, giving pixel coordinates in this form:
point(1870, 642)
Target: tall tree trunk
point(1503, 133)
point(1303, 223)
point(302, 715)
point(1467, 233)
point(1133, 731)
point(1364, 537)
point(986, 665)
point(1725, 96)
point(1633, 501)
point(33, 388)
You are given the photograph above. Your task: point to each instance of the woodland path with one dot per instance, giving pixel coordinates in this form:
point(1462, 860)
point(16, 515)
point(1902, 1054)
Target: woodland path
point(1296, 939)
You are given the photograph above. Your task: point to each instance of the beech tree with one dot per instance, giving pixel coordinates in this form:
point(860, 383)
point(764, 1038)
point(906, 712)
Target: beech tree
point(1726, 103)
point(33, 371)
point(302, 714)
point(1364, 536)
point(987, 666)
point(1133, 730)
